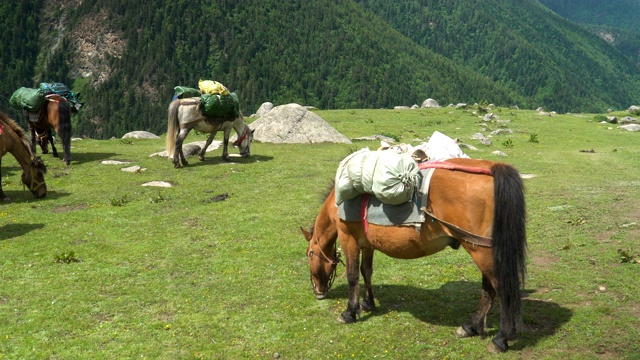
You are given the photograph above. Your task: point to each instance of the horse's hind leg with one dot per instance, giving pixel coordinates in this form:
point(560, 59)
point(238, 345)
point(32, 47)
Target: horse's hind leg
point(478, 320)
point(366, 268)
point(178, 154)
point(66, 148)
point(49, 137)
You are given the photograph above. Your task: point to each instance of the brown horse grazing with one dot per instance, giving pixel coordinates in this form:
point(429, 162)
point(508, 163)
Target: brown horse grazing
point(463, 208)
point(55, 114)
point(14, 140)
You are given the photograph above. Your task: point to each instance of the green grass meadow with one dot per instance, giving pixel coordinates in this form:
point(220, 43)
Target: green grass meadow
point(104, 268)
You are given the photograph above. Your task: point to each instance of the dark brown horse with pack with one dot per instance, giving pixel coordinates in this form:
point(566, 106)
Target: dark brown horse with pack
point(55, 114)
point(476, 204)
point(14, 140)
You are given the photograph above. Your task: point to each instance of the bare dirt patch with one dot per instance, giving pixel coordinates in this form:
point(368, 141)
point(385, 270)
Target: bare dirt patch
point(67, 208)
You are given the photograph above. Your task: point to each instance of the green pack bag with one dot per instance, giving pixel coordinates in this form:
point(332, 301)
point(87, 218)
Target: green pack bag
point(183, 92)
point(216, 105)
point(27, 99)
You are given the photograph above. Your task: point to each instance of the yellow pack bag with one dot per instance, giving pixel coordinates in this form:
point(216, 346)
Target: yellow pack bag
point(212, 87)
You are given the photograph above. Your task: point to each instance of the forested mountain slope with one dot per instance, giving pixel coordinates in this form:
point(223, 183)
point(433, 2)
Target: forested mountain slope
point(614, 20)
point(314, 53)
point(521, 45)
point(615, 13)
point(125, 57)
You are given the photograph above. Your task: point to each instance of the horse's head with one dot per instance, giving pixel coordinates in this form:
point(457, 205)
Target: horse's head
point(322, 267)
point(244, 141)
point(33, 177)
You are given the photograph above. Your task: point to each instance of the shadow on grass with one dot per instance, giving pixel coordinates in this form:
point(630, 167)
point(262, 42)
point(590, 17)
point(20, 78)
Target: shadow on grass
point(9, 231)
point(85, 157)
point(217, 160)
point(453, 304)
point(24, 196)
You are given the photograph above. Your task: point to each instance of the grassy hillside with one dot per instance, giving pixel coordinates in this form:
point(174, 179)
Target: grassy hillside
point(169, 273)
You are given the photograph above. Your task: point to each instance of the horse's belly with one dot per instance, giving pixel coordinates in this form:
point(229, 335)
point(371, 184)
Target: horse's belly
point(404, 242)
point(205, 127)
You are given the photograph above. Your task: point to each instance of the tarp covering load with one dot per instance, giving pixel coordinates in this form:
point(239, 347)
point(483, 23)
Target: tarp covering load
point(183, 92)
point(27, 99)
point(212, 87)
point(64, 91)
point(389, 176)
point(217, 105)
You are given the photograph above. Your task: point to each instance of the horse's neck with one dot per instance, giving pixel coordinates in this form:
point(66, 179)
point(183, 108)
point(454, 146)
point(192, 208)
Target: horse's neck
point(238, 125)
point(20, 150)
point(326, 223)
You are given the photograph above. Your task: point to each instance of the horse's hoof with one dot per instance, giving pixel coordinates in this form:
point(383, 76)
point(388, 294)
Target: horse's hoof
point(466, 331)
point(461, 333)
point(493, 348)
point(201, 158)
point(346, 318)
point(366, 307)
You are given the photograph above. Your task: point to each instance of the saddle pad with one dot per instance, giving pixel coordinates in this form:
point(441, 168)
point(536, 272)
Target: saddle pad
point(380, 213)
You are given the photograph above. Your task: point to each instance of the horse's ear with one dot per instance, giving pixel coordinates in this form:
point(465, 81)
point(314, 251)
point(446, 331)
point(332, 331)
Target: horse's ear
point(306, 234)
point(39, 163)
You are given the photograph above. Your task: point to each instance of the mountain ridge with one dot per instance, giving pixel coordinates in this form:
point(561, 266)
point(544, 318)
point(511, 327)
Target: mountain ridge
point(125, 58)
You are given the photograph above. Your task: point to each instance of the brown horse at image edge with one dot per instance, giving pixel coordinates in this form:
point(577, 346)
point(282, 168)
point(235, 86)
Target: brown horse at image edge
point(14, 140)
point(461, 206)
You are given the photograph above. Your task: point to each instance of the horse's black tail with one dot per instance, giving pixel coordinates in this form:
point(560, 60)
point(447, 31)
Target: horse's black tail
point(64, 119)
point(509, 243)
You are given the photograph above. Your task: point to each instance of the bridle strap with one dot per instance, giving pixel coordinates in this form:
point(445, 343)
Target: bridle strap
point(35, 184)
point(242, 138)
point(334, 262)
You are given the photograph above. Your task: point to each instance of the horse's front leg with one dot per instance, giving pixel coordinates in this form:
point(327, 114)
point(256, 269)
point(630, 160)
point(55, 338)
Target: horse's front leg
point(178, 155)
point(352, 255)
point(225, 148)
point(33, 137)
point(206, 145)
point(366, 268)
point(3, 197)
point(44, 145)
